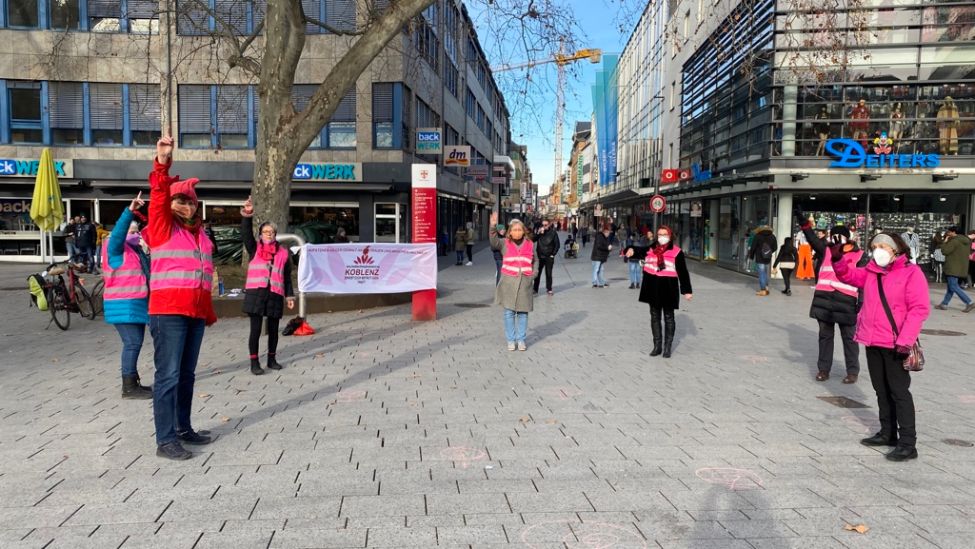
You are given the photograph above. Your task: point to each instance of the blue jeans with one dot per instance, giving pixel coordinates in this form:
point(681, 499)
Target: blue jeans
point(954, 288)
point(71, 248)
point(132, 337)
point(597, 273)
point(515, 325)
point(177, 341)
point(460, 256)
point(762, 269)
point(635, 271)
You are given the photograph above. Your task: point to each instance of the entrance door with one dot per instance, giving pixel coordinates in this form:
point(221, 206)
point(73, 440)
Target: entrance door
point(388, 223)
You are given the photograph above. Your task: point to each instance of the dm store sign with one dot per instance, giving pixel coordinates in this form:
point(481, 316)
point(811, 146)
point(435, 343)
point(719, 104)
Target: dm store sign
point(848, 153)
point(19, 167)
point(328, 172)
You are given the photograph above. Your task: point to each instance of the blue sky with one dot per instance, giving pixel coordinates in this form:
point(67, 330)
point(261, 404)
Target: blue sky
point(599, 28)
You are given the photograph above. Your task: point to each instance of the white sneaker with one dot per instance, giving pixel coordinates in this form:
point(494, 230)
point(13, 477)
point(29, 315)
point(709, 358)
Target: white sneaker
point(511, 345)
point(469, 263)
point(522, 346)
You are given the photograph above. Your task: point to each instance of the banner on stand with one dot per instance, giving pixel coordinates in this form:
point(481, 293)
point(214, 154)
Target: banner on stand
point(367, 268)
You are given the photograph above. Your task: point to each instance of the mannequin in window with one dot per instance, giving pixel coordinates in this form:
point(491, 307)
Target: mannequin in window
point(860, 125)
point(913, 242)
point(896, 125)
point(822, 129)
point(948, 123)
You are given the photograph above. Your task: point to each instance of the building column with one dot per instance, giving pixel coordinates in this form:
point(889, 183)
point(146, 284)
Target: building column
point(367, 217)
point(783, 217)
point(789, 97)
point(714, 215)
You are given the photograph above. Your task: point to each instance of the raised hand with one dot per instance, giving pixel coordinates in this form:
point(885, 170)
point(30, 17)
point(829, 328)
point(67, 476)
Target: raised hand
point(248, 209)
point(291, 303)
point(164, 149)
point(137, 202)
point(494, 218)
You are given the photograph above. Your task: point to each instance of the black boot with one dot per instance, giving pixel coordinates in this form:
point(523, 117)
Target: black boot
point(655, 330)
point(132, 390)
point(670, 326)
point(879, 439)
point(256, 367)
point(272, 364)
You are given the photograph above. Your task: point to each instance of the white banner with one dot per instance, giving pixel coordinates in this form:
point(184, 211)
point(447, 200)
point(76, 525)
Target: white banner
point(367, 268)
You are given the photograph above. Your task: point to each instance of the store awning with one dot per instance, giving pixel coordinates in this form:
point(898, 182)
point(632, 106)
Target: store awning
point(506, 160)
point(295, 186)
point(618, 197)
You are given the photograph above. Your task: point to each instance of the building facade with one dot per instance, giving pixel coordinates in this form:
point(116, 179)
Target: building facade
point(756, 125)
point(89, 80)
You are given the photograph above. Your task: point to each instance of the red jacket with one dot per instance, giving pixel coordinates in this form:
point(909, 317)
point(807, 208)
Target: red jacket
point(196, 302)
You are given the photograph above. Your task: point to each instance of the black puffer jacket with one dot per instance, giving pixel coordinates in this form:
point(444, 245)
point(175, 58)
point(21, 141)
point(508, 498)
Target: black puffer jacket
point(834, 307)
point(600, 248)
point(764, 240)
point(547, 243)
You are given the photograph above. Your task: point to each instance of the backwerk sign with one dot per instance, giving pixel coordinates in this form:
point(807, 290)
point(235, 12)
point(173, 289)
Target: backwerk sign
point(20, 167)
point(848, 153)
point(351, 171)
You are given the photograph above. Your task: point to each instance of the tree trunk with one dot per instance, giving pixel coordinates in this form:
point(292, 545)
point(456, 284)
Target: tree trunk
point(271, 189)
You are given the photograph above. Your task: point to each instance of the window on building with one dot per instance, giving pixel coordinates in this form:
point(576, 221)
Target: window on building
point(470, 104)
point(450, 78)
point(104, 16)
point(105, 110)
point(24, 103)
point(300, 96)
point(64, 14)
point(340, 15)
point(341, 130)
point(230, 16)
point(144, 113)
point(687, 26)
point(232, 119)
point(192, 19)
point(22, 13)
point(383, 116)
point(66, 113)
point(142, 16)
point(195, 124)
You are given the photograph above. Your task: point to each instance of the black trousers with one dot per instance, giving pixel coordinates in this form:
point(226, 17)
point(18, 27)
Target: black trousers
point(787, 278)
point(971, 273)
point(851, 350)
point(893, 386)
point(545, 264)
point(253, 342)
point(470, 252)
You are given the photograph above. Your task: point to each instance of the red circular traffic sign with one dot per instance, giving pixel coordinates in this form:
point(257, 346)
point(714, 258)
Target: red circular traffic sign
point(658, 204)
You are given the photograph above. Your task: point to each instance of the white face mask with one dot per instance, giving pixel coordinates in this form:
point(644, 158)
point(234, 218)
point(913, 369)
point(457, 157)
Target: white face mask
point(882, 257)
point(663, 240)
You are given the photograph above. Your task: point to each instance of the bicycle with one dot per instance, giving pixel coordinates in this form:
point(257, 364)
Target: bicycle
point(64, 298)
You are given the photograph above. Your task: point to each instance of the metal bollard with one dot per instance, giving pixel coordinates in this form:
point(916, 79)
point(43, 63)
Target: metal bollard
point(286, 237)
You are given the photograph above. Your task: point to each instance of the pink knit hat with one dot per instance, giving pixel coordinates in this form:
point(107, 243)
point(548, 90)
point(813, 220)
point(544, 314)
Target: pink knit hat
point(187, 187)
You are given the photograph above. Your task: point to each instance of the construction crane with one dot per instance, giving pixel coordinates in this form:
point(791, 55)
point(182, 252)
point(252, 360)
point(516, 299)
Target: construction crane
point(560, 60)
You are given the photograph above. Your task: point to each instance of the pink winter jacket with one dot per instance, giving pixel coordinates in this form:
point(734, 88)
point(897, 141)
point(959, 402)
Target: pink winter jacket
point(906, 289)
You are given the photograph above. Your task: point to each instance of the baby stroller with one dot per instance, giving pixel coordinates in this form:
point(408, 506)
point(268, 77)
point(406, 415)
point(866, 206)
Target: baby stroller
point(571, 248)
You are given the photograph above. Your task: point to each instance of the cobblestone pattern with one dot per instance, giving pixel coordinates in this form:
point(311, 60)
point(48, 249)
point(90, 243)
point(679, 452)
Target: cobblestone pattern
point(382, 432)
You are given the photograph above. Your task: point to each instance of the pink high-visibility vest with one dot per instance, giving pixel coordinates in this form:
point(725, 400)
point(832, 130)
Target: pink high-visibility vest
point(129, 280)
point(668, 269)
point(183, 261)
point(260, 273)
point(518, 259)
point(828, 282)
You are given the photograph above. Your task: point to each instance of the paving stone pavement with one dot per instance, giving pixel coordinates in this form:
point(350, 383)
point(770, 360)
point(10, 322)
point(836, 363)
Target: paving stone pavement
point(382, 432)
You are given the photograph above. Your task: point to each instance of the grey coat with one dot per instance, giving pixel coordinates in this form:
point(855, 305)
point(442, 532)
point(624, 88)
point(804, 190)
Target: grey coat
point(515, 293)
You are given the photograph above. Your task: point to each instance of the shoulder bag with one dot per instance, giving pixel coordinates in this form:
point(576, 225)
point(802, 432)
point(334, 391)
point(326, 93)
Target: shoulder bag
point(915, 359)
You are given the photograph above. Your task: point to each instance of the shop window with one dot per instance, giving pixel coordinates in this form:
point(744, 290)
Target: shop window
point(324, 221)
point(195, 125)
point(144, 114)
point(105, 108)
point(65, 103)
point(387, 223)
point(24, 104)
point(64, 14)
point(23, 13)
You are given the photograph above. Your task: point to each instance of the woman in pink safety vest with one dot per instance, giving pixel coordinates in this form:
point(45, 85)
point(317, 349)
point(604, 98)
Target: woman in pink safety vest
point(268, 285)
point(665, 279)
point(519, 263)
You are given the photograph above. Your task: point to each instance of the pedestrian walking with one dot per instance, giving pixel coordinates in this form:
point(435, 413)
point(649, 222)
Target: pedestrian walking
point(69, 237)
point(957, 250)
point(804, 265)
point(547, 246)
point(600, 253)
point(444, 241)
point(786, 260)
point(85, 236)
point(971, 259)
point(574, 230)
point(635, 254)
point(665, 279)
point(835, 303)
point(762, 248)
point(126, 295)
point(180, 306)
point(469, 239)
point(460, 244)
point(268, 285)
point(514, 291)
point(498, 256)
point(895, 305)
point(585, 236)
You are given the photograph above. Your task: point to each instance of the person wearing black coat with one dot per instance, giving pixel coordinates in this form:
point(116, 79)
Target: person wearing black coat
point(834, 308)
point(600, 254)
point(661, 289)
point(262, 303)
point(547, 246)
point(786, 260)
point(763, 246)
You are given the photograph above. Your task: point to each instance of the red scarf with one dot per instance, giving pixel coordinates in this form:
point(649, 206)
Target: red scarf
point(266, 251)
point(659, 251)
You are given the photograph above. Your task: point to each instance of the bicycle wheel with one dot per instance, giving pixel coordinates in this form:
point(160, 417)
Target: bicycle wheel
point(85, 306)
point(57, 304)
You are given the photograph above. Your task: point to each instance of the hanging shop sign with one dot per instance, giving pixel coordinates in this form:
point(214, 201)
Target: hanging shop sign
point(25, 167)
point(351, 171)
point(457, 155)
point(658, 204)
point(696, 209)
point(478, 172)
point(428, 141)
point(848, 153)
point(669, 176)
point(696, 174)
